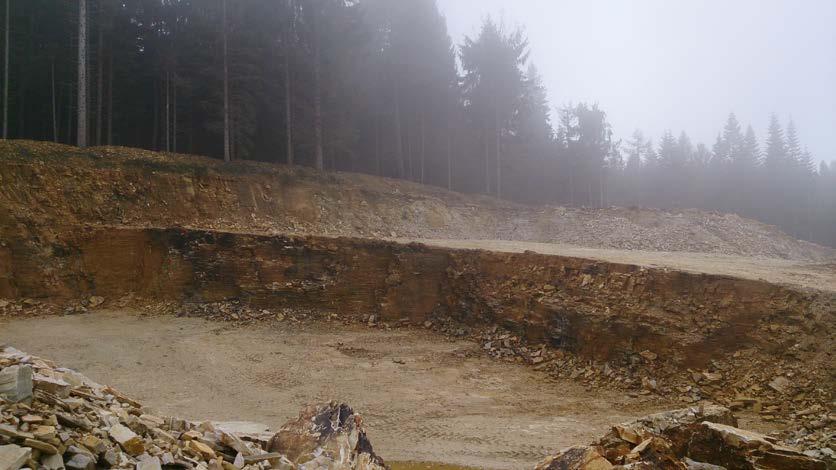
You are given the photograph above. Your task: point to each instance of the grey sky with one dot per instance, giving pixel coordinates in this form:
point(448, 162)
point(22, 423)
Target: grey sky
point(683, 65)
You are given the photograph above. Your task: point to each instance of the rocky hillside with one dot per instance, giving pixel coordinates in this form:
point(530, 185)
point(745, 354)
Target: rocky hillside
point(48, 185)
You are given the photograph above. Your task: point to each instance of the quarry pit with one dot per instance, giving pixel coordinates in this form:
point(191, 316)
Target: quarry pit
point(235, 300)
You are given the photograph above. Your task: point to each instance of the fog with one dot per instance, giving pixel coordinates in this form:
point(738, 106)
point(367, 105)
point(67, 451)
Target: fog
point(659, 64)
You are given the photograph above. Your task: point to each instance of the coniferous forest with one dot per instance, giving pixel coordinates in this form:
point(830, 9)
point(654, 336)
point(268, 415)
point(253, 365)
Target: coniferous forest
point(376, 86)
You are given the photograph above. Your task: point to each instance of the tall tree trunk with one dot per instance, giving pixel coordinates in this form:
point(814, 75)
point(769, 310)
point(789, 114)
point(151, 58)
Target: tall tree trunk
point(156, 122)
point(571, 183)
point(174, 114)
point(227, 149)
point(423, 143)
point(110, 96)
point(69, 114)
point(450, 150)
point(498, 153)
point(167, 111)
point(601, 184)
point(6, 76)
point(487, 162)
point(410, 164)
point(54, 110)
point(81, 139)
point(288, 104)
point(377, 143)
point(232, 150)
point(100, 77)
point(317, 85)
point(398, 130)
point(58, 112)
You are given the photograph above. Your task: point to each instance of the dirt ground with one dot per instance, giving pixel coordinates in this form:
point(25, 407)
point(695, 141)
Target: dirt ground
point(821, 275)
point(422, 398)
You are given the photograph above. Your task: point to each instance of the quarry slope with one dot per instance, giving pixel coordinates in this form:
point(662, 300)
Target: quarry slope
point(46, 185)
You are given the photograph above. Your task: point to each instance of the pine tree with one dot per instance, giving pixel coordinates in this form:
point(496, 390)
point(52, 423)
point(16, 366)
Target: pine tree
point(635, 150)
point(775, 158)
point(720, 153)
point(733, 138)
point(749, 157)
point(807, 163)
point(667, 151)
point(493, 85)
point(793, 145)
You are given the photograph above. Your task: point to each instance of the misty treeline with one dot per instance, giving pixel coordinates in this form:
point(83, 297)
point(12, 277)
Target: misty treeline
point(375, 86)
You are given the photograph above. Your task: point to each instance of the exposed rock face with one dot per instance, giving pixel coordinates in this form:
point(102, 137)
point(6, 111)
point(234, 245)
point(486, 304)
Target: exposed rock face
point(85, 425)
point(692, 438)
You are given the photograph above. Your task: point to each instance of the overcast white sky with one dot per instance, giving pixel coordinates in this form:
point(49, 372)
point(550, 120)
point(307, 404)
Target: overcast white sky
point(680, 64)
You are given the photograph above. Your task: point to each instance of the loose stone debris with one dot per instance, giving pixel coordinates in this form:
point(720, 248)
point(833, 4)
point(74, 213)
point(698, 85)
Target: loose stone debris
point(57, 419)
point(704, 437)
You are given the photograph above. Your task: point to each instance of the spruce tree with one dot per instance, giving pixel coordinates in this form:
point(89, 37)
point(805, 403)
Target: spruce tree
point(776, 147)
point(793, 145)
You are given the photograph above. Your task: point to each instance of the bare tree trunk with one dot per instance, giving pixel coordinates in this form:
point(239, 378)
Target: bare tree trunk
point(100, 78)
point(69, 113)
point(571, 185)
point(602, 200)
point(82, 74)
point(167, 111)
point(410, 164)
point(487, 163)
point(58, 114)
point(156, 121)
point(233, 151)
point(498, 153)
point(423, 144)
point(174, 115)
point(398, 130)
point(6, 76)
point(54, 111)
point(317, 69)
point(450, 148)
point(227, 149)
point(377, 143)
point(110, 96)
point(288, 104)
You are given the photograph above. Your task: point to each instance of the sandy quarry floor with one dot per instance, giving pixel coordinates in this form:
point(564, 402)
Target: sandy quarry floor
point(436, 406)
point(820, 276)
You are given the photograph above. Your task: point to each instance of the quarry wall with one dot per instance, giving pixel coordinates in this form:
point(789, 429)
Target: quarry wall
point(595, 309)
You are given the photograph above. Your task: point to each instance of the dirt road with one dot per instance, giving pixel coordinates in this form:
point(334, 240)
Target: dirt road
point(422, 398)
point(820, 276)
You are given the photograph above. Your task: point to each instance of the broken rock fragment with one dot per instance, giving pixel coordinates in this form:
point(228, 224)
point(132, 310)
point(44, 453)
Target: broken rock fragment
point(16, 383)
point(130, 442)
point(12, 456)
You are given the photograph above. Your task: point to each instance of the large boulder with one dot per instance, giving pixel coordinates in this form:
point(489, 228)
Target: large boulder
point(326, 436)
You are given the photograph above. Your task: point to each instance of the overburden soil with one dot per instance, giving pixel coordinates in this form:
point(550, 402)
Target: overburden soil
point(45, 184)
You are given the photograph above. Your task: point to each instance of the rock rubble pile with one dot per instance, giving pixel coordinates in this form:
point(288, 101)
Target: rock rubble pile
point(704, 438)
point(54, 418)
